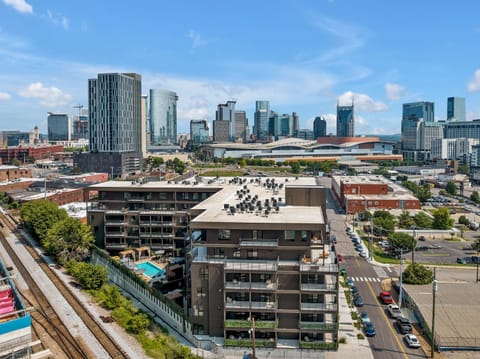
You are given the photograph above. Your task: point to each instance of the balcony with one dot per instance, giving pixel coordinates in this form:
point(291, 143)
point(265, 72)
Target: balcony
point(259, 324)
point(114, 222)
point(245, 304)
point(318, 267)
point(319, 307)
point(261, 266)
point(115, 234)
point(249, 242)
point(323, 326)
point(156, 235)
point(318, 287)
point(267, 285)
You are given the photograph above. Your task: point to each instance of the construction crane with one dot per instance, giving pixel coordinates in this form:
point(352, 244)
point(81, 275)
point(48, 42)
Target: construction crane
point(79, 110)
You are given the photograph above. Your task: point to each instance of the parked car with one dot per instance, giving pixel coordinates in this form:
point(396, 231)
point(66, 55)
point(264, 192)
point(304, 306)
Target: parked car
point(412, 341)
point(358, 300)
point(386, 297)
point(421, 238)
point(364, 317)
point(363, 254)
point(350, 282)
point(354, 290)
point(394, 311)
point(339, 258)
point(403, 325)
point(461, 261)
point(422, 248)
point(369, 329)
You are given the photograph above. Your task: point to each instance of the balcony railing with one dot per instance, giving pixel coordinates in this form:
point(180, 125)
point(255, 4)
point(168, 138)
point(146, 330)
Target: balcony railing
point(317, 287)
point(319, 267)
point(249, 242)
point(244, 304)
point(322, 307)
point(318, 326)
point(261, 266)
point(259, 324)
point(250, 285)
point(318, 345)
point(247, 343)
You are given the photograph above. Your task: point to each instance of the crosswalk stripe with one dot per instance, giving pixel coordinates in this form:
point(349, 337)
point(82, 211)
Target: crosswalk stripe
point(361, 279)
point(366, 279)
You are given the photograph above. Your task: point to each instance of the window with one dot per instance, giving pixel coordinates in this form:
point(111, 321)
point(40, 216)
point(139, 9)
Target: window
point(223, 234)
point(195, 196)
point(204, 273)
point(236, 252)
point(201, 292)
point(289, 235)
point(218, 252)
point(304, 236)
point(252, 253)
point(163, 195)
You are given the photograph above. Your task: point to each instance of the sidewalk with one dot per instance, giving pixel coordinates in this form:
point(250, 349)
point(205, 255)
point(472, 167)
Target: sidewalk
point(347, 330)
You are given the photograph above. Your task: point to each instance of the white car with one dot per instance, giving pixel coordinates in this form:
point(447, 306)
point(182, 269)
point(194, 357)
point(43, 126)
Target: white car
point(394, 311)
point(363, 254)
point(412, 341)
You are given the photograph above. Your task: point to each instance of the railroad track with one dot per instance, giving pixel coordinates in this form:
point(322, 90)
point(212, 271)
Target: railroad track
point(46, 315)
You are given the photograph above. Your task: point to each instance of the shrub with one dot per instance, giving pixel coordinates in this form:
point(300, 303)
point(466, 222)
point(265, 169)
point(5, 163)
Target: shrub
point(360, 336)
point(417, 274)
point(342, 340)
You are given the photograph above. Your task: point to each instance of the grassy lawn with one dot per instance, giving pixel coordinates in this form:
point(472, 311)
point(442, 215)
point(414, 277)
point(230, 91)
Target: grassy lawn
point(222, 173)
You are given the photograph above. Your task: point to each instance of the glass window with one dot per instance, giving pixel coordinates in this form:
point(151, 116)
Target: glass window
point(236, 252)
point(289, 235)
point(224, 234)
point(252, 253)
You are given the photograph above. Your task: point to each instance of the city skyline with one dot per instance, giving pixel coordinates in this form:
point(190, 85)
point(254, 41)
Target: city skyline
point(335, 50)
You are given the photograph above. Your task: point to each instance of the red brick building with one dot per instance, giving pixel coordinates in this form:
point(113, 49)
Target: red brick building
point(359, 193)
point(21, 153)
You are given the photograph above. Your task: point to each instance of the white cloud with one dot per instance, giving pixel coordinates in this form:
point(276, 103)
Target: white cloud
point(362, 102)
point(19, 5)
point(394, 91)
point(47, 96)
point(5, 96)
point(197, 39)
point(57, 19)
point(474, 84)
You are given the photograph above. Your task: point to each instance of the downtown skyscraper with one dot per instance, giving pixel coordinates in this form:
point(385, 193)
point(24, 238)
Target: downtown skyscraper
point(261, 120)
point(345, 121)
point(163, 117)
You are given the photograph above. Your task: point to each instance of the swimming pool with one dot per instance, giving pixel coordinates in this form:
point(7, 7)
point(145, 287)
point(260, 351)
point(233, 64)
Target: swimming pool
point(151, 270)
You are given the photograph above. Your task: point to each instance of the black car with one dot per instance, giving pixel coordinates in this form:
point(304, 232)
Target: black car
point(403, 325)
point(421, 238)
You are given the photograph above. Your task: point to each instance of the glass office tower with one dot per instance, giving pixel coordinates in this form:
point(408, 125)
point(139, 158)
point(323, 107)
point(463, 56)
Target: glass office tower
point(345, 121)
point(163, 117)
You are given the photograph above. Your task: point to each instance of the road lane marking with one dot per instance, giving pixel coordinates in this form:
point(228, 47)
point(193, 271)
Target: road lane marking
point(389, 325)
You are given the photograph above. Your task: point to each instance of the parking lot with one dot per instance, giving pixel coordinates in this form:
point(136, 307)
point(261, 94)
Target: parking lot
point(441, 251)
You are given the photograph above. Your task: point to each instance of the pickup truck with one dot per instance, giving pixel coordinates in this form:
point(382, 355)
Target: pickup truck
point(386, 298)
point(394, 311)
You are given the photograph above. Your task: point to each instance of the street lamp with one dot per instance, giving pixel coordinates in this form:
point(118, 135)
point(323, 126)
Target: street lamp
point(400, 292)
point(434, 292)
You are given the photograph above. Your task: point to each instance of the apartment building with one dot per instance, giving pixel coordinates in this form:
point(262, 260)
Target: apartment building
point(135, 214)
point(260, 253)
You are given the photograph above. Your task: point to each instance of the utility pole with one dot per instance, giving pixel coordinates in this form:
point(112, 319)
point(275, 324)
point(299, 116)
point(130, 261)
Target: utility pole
point(400, 292)
point(434, 292)
point(252, 333)
point(414, 245)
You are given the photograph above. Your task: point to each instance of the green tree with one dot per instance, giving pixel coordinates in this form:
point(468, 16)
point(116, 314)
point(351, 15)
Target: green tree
point(401, 240)
point(463, 220)
point(69, 239)
point(451, 188)
point(442, 219)
point(364, 216)
point(383, 223)
point(295, 167)
point(405, 220)
point(475, 197)
point(110, 296)
point(424, 192)
point(90, 276)
point(16, 162)
point(137, 323)
point(463, 169)
point(422, 220)
point(40, 216)
point(417, 273)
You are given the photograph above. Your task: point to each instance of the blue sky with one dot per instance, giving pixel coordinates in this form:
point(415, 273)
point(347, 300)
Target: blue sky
point(303, 56)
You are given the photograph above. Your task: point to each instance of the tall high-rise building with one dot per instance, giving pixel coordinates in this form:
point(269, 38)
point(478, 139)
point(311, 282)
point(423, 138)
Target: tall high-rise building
point(144, 109)
point(199, 132)
point(163, 117)
point(345, 121)
point(58, 127)
point(114, 104)
point(80, 126)
point(281, 125)
point(412, 113)
point(296, 122)
point(261, 119)
point(115, 112)
point(319, 127)
point(226, 112)
point(456, 109)
point(241, 126)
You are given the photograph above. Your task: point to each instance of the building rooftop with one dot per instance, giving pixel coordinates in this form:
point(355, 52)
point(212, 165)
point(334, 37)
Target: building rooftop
point(237, 203)
point(380, 197)
point(374, 179)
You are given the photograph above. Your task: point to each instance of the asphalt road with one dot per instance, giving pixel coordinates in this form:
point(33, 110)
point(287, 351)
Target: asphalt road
point(388, 342)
